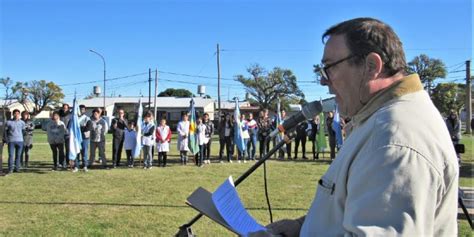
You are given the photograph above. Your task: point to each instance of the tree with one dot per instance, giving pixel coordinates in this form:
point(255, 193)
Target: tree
point(449, 96)
point(8, 97)
point(171, 92)
point(428, 69)
point(266, 87)
point(40, 93)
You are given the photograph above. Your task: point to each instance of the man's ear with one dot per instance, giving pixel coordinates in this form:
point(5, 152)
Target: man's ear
point(374, 65)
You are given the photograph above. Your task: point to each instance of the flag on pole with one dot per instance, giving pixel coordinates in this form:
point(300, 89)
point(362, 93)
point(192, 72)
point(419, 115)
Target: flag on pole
point(321, 136)
point(278, 122)
point(238, 133)
point(138, 145)
point(336, 126)
point(75, 137)
point(193, 144)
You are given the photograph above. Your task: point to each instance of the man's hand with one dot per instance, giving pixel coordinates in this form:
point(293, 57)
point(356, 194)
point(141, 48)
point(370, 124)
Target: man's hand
point(286, 227)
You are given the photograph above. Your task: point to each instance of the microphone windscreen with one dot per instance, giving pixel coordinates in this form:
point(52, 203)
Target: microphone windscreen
point(312, 109)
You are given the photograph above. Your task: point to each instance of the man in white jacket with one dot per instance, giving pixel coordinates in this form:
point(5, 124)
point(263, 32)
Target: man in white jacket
point(397, 173)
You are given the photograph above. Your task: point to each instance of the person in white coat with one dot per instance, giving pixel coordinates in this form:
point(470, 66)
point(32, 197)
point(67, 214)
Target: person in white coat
point(202, 141)
point(148, 140)
point(130, 142)
point(183, 134)
point(163, 139)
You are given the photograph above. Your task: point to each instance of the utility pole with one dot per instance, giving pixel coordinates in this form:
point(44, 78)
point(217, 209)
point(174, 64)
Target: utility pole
point(149, 88)
point(218, 82)
point(468, 97)
point(156, 93)
point(103, 60)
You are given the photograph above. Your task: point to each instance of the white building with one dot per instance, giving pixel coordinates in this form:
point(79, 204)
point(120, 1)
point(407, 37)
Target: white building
point(11, 105)
point(169, 107)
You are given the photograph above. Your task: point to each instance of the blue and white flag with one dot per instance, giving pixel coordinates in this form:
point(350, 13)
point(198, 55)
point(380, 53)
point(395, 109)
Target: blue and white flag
point(238, 133)
point(75, 137)
point(336, 126)
point(278, 122)
point(138, 145)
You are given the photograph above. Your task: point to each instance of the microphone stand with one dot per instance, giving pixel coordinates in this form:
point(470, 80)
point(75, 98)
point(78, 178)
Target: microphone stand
point(186, 231)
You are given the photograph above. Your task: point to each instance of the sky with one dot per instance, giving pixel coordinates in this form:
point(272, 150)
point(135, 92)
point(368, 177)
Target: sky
point(50, 40)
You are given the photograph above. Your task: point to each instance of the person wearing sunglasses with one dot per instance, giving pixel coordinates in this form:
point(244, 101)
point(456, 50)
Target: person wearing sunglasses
point(397, 173)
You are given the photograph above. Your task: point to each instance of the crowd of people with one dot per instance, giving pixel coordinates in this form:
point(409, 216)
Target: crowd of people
point(19, 137)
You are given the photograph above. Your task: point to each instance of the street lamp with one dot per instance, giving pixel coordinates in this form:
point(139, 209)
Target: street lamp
point(103, 60)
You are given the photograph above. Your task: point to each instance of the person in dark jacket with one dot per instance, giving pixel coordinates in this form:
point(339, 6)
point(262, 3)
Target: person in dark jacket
point(209, 132)
point(472, 125)
point(27, 138)
point(301, 137)
point(221, 132)
point(226, 134)
point(313, 131)
point(264, 125)
point(454, 127)
point(118, 127)
point(65, 116)
point(331, 134)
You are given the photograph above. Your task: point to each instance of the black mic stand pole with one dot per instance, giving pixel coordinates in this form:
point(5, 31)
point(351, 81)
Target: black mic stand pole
point(185, 230)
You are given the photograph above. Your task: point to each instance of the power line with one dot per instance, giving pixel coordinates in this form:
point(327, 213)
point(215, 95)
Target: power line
point(457, 71)
point(268, 50)
point(457, 65)
point(207, 63)
point(141, 74)
point(128, 76)
point(196, 83)
point(190, 75)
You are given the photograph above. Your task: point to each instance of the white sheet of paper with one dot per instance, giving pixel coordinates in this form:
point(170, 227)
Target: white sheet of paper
point(230, 207)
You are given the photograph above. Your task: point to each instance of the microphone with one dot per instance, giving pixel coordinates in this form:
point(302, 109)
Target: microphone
point(307, 112)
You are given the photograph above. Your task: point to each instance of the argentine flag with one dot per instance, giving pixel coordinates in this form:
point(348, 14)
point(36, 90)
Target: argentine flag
point(238, 138)
point(193, 134)
point(75, 137)
point(138, 127)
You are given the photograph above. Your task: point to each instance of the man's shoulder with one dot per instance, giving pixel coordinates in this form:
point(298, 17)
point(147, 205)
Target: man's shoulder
point(413, 122)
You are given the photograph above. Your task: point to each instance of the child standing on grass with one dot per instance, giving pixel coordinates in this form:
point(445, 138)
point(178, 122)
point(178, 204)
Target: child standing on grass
point(163, 139)
point(27, 138)
point(130, 141)
point(202, 140)
point(183, 133)
point(147, 140)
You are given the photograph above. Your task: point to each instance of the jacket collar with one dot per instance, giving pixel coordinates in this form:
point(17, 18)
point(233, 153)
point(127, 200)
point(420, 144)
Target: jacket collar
point(407, 85)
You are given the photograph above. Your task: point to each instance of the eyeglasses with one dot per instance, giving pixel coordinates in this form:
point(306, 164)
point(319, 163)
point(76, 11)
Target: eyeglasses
point(322, 69)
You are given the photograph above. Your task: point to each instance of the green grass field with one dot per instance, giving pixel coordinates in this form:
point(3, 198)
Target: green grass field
point(125, 201)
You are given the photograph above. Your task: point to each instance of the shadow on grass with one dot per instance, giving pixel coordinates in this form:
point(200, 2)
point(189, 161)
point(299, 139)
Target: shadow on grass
point(134, 205)
point(318, 161)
